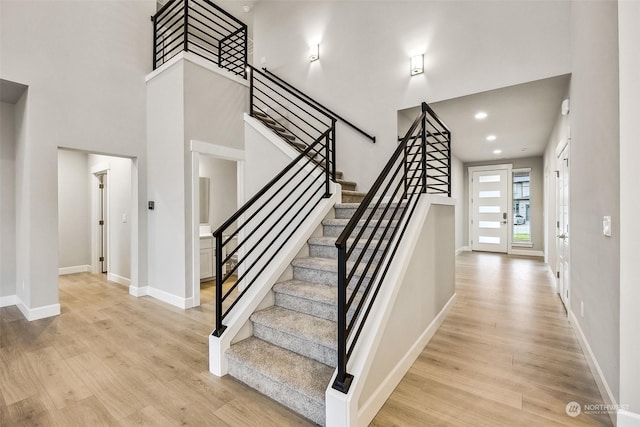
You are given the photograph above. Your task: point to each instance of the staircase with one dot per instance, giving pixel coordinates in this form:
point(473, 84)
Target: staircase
point(293, 351)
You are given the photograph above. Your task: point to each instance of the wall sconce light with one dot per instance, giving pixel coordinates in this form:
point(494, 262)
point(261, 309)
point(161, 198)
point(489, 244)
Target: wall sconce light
point(314, 52)
point(417, 64)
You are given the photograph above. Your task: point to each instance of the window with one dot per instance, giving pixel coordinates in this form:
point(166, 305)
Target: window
point(522, 207)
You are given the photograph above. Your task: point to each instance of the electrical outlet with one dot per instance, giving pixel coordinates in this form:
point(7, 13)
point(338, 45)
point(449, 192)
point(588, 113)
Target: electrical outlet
point(582, 309)
point(124, 218)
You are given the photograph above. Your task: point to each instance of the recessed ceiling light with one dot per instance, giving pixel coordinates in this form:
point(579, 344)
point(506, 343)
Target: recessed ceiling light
point(497, 151)
point(491, 137)
point(481, 115)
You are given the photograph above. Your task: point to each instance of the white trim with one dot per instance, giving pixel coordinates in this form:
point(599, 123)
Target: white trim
point(37, 313)
point(100, 168)
point(594, 366)
point(524, 252)
point(219, 151)
point(121, 280)
point(196, 60)
point(165, 296)
point(371, 407)
point(141, 291)
point(628, 419)
point(462, 249)
point(8, 300)
point(74, 269)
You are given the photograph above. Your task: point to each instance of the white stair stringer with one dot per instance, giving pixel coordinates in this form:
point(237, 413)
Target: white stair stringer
point(419, 291)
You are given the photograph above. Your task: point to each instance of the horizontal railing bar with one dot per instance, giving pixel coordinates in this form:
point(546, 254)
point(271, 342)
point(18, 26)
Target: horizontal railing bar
point(290, 92)
point(191, 17)
point(171, 52)
point(341, 241)
point(354, 340)
point(227, 14)
point(273, 256)
point(212, 16)
point(300, 118)
point(170, 23)
point(258, 79)
point(266, 105)
point(327, 110)
point(435, 116)
point(165, 7)
point(198, 46)
point(266, 188)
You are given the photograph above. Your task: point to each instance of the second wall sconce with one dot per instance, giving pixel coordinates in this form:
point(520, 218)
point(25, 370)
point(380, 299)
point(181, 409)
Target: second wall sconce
point(314, 52)
point(417, 64)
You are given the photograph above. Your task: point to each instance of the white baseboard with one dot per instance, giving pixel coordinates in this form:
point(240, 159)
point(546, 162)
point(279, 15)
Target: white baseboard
point(140, 291)
point(371, 407)
point(74, 269)
point(8, 300)
point(462, 249)
point(628, 419)
point(525, 252)
point(594, 366)
point(37, 313)
point(118, 279)
point(168, 298)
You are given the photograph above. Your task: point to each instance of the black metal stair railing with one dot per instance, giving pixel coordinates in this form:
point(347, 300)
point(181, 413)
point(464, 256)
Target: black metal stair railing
point(420, 164)
point(267, 222)
point(202, 28)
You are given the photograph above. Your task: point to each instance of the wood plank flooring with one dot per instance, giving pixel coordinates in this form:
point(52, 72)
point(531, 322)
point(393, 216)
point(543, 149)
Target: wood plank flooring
point(506, 355)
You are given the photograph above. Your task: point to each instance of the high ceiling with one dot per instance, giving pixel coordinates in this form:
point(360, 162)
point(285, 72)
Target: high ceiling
point(521, 117)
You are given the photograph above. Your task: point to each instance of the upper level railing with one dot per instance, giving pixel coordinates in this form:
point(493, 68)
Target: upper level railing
point(318, 105)
point(420, 164)
point(202, 28)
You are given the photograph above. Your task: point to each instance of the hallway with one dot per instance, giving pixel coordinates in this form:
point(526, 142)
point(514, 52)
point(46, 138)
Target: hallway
point(505, 355)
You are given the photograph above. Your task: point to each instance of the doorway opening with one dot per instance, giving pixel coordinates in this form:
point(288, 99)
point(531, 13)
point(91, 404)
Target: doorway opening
point(218, 192)
point(96, 201)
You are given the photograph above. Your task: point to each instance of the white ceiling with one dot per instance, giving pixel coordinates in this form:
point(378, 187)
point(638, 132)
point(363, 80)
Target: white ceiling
point(521, 117)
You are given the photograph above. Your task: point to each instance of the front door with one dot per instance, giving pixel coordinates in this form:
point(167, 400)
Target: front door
point(490, 210)
point(562, 239)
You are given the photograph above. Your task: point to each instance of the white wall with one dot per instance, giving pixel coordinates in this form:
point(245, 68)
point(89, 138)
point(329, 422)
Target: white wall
point(363, 71)
point(595, 181)
point(84, 63)
point(7, 201)
point(223, 185)
point(74, 210)
point(629, 34)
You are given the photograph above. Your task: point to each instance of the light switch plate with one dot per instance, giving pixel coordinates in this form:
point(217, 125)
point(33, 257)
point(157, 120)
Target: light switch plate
point(606, 226)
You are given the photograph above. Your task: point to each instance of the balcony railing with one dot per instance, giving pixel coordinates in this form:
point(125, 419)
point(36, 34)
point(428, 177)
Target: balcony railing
point(202, 28)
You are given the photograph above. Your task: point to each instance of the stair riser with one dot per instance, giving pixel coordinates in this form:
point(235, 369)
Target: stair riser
point(297, 402)
point(322, 277)
point(313, 350)
point(347, 186)
point(347, 213)
point(331, 252)
point(352, 198)
point(336, 230)
point(312, 308)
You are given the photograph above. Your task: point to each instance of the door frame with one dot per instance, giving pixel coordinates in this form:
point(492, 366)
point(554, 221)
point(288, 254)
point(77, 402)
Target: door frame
point(503, 166)
point(220, 152)
point(566, 278)
point(99, 169)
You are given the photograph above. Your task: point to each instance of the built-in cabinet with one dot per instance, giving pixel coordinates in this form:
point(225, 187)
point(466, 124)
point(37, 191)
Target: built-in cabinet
point(207, 258)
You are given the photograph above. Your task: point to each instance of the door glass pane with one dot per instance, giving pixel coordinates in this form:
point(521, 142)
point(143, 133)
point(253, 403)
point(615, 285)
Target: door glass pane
point(489, 209)
point(522, 206)
point(489, 178)
point(489, 194)
point(489, 224)
point(489, 239)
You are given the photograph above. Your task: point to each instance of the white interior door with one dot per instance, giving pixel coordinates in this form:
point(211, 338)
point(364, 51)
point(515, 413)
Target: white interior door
point(563, 227)
point(490, 210)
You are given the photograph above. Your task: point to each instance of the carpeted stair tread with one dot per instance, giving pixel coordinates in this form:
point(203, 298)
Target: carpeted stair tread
point(337, 222)
point(350, 196)
point(331, 241)
point(277, 372)
point(307, 290)
point(300, 325)
point(328, 265)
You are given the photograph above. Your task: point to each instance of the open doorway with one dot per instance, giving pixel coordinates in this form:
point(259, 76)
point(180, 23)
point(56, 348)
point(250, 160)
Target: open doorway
point(217, 194)
point(95, 205)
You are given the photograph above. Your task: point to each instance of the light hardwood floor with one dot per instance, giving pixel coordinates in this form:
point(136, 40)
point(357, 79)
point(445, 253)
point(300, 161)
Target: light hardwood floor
point(505, 355)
